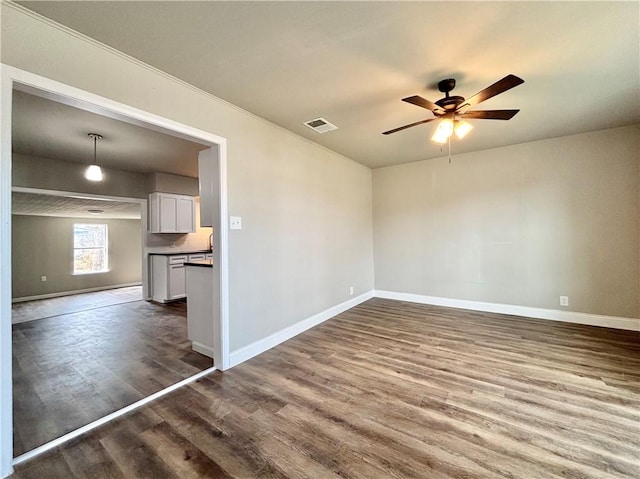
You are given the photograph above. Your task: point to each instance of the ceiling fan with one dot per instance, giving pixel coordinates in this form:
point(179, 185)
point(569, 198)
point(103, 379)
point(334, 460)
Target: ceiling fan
point(452, 110)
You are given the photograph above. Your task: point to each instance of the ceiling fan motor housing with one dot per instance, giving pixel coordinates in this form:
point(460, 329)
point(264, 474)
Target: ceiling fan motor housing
point(448, 102)
point(445, 86)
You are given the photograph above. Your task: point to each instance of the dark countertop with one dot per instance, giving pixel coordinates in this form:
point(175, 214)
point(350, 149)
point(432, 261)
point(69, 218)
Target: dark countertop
point(177, 253)
point(207, 263)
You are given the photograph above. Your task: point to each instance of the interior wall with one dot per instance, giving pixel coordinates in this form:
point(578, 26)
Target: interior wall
point(181, 185)
point(47, 174)
point(517, 225)
point(43, 246)
point(306, 211)
point(56, 175)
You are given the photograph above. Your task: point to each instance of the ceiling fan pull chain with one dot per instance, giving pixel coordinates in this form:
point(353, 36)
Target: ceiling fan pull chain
point(449, 149)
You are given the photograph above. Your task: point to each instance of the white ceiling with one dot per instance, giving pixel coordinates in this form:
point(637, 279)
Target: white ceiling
point(31, 204)
point(48, 129)
point(352, 62)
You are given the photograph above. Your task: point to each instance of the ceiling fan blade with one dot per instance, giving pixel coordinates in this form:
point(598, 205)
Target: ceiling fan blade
point(490, 114)
point(498, 87)
point(408, 126)
point(424, 103)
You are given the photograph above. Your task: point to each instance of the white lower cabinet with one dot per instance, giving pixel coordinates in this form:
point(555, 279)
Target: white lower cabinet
point(168, 276)
point(177, 287)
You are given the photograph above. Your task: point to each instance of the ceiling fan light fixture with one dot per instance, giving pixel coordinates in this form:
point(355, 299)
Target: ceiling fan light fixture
point(449, 108)
point(443, 131)
point(462, 128)
point(93, 171)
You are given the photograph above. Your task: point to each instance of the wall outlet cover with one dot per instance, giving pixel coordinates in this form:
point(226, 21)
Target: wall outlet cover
point(235, 222)
point(564, 300)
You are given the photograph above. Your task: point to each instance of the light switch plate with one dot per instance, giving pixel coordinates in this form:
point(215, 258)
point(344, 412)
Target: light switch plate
point(235, 222)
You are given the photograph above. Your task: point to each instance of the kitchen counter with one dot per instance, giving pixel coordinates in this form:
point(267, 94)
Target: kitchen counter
point(201, 298)
point(168, 272)
point(174, 253)
point(207, 263)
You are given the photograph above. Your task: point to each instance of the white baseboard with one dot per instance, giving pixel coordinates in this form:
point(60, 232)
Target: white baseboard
point(202, 349)
point(631, 324)
point(262, 345)
point(243, 354)
point(69, 293)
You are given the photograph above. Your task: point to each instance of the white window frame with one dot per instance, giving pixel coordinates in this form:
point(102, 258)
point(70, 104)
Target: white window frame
point(105, 248)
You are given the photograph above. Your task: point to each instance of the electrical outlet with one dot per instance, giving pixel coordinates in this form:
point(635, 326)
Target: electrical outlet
point(235, 222)
point(43, 278)
point(351, 290)
point(564, 300)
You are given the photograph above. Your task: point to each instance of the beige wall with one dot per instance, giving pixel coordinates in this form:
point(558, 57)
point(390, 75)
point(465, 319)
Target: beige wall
point(47, 174)
point(517, 225)
point(306, 211)
point(181, 185)
point(56, 175)
point(43, 246)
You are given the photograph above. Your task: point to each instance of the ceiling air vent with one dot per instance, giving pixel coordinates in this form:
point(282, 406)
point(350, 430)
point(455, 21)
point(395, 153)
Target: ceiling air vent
point(320, 125)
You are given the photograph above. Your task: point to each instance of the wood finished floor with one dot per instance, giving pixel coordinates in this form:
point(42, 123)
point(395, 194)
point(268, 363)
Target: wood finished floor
point(391, 390)
point(71, 369)
point(74, 303)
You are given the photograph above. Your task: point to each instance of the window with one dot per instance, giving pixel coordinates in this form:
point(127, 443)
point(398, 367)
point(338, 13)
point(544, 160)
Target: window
point(89, 248)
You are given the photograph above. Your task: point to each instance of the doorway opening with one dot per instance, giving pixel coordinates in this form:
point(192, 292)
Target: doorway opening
point(18, 80)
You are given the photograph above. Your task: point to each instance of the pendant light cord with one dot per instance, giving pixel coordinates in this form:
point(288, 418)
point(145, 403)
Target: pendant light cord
point(95, 137)
point(442, 146)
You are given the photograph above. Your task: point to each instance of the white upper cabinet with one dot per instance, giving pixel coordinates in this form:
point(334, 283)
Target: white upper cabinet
point(186, 214)
point(209, 183)
point(169, 213)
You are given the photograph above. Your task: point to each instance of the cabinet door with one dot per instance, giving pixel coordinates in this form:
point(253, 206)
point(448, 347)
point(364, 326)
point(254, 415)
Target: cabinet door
point(177, 281)
point(168, 214)
point(186, 214)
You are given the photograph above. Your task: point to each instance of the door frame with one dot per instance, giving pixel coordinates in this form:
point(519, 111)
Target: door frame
point(13, 78)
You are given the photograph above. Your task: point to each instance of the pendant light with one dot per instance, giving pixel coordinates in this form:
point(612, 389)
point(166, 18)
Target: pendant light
point(93, 171)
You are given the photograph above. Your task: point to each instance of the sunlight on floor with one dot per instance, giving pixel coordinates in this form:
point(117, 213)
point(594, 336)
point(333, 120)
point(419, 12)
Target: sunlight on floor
point(46, 308)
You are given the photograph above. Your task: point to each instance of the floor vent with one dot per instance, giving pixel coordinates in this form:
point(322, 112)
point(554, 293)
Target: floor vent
point(320, 125)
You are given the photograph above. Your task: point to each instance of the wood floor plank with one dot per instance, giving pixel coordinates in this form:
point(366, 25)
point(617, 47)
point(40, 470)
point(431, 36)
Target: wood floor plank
point(134, 456)
point(180, 454)
point(233, 449)
point(73, 368)
point(391, 389)
point(89, 458)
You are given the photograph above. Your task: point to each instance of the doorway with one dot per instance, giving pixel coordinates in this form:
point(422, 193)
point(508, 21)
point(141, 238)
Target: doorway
point(23, 81)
